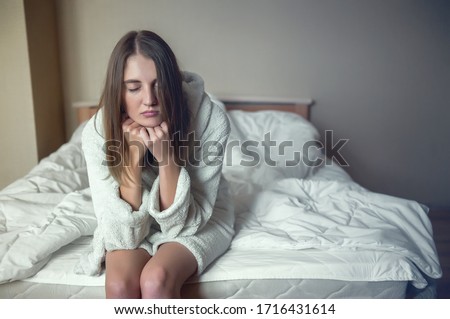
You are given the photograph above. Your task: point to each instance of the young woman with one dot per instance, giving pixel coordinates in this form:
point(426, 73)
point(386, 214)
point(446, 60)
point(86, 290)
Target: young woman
point(154, 157)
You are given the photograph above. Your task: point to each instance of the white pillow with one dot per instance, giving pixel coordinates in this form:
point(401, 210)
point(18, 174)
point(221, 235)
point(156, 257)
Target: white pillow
point(266, 146)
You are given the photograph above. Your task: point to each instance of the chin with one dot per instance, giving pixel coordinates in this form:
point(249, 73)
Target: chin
point(152, 122)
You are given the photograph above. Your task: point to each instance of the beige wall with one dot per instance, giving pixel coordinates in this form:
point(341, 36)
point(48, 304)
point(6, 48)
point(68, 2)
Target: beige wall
point(17, 130)
point(378, 70)
point(32, 124)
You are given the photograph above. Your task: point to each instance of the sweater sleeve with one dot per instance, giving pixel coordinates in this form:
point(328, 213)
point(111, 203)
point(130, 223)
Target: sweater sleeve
point(198, 183)
point(121, 227)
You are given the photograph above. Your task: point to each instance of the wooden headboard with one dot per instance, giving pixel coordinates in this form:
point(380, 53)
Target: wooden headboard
point(251, 104)
point(85, 109)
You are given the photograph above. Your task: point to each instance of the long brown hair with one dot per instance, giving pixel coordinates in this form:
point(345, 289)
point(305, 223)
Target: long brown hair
point(170, 96)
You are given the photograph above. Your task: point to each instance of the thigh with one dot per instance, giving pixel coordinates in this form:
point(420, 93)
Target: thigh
point(123, 270)
point(176, 260)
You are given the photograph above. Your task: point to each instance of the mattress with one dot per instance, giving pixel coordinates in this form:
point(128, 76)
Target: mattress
point(239, 289)
point(57, 280)
point(301, 231)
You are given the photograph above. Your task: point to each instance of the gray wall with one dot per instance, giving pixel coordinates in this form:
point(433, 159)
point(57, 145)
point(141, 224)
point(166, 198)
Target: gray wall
point(378, 70)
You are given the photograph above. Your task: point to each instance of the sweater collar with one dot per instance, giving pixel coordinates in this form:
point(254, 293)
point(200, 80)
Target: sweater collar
point(193, 90)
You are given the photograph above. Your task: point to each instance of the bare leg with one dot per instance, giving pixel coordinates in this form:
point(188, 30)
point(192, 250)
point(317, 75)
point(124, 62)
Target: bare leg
point(165, 273)
point(123, 271)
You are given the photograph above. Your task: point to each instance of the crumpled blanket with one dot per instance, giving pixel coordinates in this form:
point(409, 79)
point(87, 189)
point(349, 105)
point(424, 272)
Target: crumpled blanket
point(43, 211)
point(51, 207)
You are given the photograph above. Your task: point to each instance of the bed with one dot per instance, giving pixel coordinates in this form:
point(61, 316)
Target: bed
point(304, 228)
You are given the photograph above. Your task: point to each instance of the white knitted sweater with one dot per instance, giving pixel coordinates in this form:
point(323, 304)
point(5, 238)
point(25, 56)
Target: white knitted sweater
point(201, 193)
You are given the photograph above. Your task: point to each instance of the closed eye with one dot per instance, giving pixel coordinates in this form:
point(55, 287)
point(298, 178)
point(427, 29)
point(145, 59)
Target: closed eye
point(132, 90)
point(132, 85)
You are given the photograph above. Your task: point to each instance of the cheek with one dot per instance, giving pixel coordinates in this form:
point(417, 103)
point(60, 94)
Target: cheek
point(130, 104)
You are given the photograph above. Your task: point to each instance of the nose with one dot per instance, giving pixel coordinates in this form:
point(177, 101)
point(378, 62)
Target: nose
point(150, 97)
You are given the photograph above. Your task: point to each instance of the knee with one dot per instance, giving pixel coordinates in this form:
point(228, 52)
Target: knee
point(120, 288)
point(156, 284)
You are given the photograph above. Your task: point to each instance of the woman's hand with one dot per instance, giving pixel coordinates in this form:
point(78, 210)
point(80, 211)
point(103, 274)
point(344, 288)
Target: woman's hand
point(157, 139)
point(132, 133)
point(140, 138)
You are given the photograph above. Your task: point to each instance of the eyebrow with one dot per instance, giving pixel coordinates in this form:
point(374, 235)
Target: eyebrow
point(131, 81)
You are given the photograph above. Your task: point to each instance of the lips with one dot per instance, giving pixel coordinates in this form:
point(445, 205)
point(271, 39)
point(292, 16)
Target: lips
point(150, 113)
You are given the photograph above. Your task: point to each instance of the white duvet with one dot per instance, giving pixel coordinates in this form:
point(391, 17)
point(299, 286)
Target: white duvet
point(296, 222)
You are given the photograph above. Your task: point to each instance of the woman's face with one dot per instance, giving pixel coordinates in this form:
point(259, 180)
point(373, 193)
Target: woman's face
point(140, 92)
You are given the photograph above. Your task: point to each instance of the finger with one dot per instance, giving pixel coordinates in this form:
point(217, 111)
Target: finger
point(159, 132)
point(130, 123)
point(126, 123)
point(144, 136)
point(165, 127)
point(152, 133)
point(134, 125)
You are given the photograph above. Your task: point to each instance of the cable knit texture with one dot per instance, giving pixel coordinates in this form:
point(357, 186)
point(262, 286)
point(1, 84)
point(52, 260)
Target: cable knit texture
point(201, 216)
